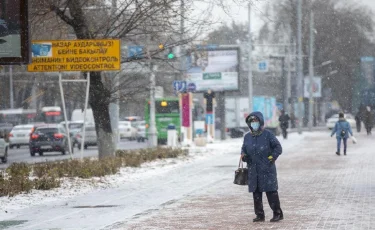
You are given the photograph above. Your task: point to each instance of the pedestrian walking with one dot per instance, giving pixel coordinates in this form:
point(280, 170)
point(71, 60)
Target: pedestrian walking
point(284, 123)
point(342, 130)
point(368, 120)
point(293, 120)
point(358, 121)
point(260, 150)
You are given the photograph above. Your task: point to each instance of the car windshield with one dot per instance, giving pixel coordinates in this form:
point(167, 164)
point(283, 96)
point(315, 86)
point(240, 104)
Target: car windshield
point(21, 128)
point(75, 126)
point(124, 123)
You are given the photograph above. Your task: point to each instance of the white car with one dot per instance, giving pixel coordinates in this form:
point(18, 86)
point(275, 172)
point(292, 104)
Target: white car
point(3, 149)
point(90, 137)
point(331, 122)
point(20, 135)
point(126, 130)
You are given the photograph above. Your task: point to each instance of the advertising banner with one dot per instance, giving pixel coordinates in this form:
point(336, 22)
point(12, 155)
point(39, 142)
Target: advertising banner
point(317, 87)
point(216, 69)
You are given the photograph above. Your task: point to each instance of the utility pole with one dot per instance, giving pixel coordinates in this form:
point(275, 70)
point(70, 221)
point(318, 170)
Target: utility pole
point(299, 65)
point(11, 86)
point(152, 132)
point(311, 70)
point(250, 74)
point(115, 107)
point(289, 75)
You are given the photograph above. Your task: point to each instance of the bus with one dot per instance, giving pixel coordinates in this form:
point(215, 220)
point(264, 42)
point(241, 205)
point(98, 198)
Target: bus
point(17, 116)
point(51, 115)
point(167, 111)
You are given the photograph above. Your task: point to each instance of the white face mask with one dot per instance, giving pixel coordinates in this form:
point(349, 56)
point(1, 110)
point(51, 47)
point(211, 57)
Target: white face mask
point(255, 126)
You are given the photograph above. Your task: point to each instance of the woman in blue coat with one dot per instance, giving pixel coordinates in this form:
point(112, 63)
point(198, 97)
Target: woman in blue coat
point(260, 150)
point(342, 130)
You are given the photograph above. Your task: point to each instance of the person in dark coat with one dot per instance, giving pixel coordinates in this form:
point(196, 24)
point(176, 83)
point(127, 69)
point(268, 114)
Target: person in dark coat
point(368, 118)
point(260, 150)
point(293, 120)
point(284, 123)
point(358, 121)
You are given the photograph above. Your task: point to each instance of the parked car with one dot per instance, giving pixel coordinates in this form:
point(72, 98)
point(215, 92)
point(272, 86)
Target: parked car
point(74, 128)
point(20, 135)
point(4, 145)
point(49, 138)
point(141, 131)
point(126, 130)
point(90, 137)
point(331, 122)
point(4, 30)
point(6, 127)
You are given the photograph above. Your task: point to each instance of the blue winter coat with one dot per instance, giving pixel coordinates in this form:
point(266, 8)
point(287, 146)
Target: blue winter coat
point(261, 172)
point(342, 125)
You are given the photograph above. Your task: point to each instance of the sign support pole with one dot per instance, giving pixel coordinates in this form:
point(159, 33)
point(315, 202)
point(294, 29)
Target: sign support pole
point(65, 116)
point(311, 71)
point(250, 73)
point(84, 114)
point(152, 131)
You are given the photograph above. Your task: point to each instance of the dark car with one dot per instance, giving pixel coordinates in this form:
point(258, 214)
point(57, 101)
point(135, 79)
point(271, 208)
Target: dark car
point(49, 138)
point(4, 31)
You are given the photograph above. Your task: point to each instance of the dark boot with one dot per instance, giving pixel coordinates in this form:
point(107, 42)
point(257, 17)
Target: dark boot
point(259, 219)
point(345, 153)
point(337, 153)
point(277, 217)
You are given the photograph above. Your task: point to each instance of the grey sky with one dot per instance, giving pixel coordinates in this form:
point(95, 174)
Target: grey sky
point(239, 13)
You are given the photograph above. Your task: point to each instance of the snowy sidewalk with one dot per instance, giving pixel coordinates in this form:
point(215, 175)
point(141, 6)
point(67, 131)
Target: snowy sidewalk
point(318, 190)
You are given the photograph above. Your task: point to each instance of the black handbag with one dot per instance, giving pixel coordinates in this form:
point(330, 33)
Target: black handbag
point(240, 175)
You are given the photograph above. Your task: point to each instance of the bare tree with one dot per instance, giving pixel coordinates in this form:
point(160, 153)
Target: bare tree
point(343, 35)
point(146, 22)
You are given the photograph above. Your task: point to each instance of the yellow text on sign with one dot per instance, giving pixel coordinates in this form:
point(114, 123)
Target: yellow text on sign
point(75, 55)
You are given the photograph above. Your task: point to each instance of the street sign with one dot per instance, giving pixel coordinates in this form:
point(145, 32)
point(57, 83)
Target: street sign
point(263, 66)
point(207, 47)
point(179, 86)
point(75, 55)
point(191, 87)
point(135, 52)
point(316, 87)
point(367, 59)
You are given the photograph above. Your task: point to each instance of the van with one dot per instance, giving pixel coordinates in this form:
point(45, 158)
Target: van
point(78, 114)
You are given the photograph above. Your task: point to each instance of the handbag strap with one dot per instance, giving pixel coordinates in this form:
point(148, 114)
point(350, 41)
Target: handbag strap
point(240, 163)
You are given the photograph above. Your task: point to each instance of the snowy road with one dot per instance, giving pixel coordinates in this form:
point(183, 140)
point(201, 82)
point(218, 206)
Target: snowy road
point(23, 154)
point(147, 197)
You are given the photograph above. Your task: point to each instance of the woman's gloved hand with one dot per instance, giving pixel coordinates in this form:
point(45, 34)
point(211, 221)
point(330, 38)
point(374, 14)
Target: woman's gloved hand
point(271, 159)
point(244, 157)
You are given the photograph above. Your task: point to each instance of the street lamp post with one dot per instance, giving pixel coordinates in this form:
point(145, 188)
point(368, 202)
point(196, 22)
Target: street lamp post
point(250, 73)
point(299, 65)
point(311, 71)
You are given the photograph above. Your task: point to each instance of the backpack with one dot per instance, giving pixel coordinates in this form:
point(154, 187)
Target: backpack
point(343, 132)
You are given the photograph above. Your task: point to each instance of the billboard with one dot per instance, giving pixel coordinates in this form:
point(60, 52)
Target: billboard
point(75, 55)
point(216, 69)
point(367, 69)
point(14, 32)
point(317, 87)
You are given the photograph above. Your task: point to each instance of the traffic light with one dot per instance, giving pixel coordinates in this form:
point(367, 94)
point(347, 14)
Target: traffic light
point(170, 54)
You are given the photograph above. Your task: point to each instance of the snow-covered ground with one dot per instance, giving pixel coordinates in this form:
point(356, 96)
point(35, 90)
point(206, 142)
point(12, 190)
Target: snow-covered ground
point(74, 188)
